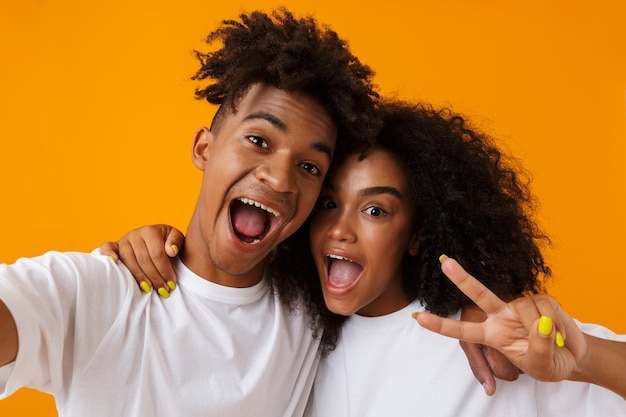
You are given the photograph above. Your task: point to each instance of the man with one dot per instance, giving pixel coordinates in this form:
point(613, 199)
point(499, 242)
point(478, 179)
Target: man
point(229, 342)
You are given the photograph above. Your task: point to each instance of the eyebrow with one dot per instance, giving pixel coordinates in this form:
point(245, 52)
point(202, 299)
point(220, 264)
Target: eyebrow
point(278, 124)
point(273, 120)
point(380, 190)
point(370, 190)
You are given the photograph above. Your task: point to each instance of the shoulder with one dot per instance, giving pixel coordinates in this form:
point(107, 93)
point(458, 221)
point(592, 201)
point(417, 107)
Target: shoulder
point(62, 273)
point(600, 331)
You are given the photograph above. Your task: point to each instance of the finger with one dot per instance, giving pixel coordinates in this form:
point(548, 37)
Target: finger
point(174, 242)
point(500, 366)
point(127, 256)
point(158, 255)
point(479, 366)
point(539, 357)
point(548, 306)
point(462, 330)
point(110, 249)
point(470, 286)
point(573, 337)
point(529, 309)
point(149, 257)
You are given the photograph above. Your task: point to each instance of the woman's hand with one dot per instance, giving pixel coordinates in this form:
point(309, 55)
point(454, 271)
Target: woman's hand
point(146, 252)
point(534, 332)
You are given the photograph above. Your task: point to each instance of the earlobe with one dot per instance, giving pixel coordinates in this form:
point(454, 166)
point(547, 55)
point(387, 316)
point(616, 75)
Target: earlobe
point(201, 149)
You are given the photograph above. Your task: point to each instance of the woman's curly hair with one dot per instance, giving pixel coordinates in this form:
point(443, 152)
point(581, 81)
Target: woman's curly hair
point(292, 54)
point(472, 203)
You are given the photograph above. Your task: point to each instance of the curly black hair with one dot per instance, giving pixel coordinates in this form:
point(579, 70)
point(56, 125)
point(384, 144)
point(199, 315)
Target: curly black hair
point(292, 54)
point(298, 55)
point(473, 202)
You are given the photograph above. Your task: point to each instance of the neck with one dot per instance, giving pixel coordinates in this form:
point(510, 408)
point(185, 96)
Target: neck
point(197, 257)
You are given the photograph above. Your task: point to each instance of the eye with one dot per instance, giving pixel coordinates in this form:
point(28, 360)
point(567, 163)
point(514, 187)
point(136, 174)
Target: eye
point(375, 211)
point(258, 141)
point(311, 169)
point(326, 203)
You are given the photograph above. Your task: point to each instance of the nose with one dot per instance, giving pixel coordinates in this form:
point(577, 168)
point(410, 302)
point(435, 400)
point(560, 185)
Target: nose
point(342, 228)
point(279, 171)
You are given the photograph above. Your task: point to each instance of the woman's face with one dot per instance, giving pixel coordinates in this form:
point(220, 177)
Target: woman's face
point(361, 230)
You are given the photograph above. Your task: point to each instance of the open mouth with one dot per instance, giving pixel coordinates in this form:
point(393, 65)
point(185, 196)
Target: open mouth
point(342, 272)
point(251, 220)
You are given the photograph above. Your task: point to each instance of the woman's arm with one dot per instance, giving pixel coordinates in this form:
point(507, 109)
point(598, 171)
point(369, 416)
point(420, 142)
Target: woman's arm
point(535, 334)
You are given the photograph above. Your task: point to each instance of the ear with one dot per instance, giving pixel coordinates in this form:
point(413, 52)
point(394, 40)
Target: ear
point(414, 243)
point(202, 142)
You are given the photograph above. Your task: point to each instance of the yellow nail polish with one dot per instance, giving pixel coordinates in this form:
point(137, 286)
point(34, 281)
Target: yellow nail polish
point(163, 292)
point(171, 284)
point(175, 249)
point(443, 258)
point(415, 314)
point(113, 258)
point(545, 325)
point(559, 340)
point(145, 287)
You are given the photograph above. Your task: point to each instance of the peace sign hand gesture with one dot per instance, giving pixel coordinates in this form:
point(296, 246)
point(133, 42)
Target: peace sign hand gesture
point(533, 332)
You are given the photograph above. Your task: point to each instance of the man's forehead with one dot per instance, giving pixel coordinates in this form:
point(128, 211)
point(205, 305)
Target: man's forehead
point(264, 97)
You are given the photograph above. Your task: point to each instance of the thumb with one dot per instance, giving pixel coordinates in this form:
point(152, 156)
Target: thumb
point(110, 249)
point(174, 242)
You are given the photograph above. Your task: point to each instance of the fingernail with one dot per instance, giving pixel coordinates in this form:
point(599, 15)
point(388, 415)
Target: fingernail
point(163, 292)
point(175, 249)
point(545, 325)
point(171, 284)
point(486, 388)
point(113, 258)
point(415, 314)
point(443, 258)
point(559, 340)
point(145, 287)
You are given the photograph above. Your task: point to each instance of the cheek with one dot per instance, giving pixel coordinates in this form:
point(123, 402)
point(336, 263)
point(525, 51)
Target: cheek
point(386, 249)
point(308, 196)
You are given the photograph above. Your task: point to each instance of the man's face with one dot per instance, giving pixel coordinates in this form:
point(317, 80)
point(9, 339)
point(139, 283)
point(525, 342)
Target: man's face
point(264, 166)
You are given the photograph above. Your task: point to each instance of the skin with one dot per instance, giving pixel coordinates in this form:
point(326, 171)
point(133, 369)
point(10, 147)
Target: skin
point(275, 150)
point(365, 215)
point(339, 221)
point(8, 339)
point(513, 328)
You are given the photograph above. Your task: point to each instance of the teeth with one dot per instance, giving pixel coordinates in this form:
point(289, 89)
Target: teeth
point(259, 205)
point(341, 258)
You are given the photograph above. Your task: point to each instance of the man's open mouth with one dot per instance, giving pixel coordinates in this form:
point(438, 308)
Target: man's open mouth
point(251, 220)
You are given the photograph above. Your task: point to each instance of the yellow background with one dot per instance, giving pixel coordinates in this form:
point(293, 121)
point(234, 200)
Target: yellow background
point(97, 116)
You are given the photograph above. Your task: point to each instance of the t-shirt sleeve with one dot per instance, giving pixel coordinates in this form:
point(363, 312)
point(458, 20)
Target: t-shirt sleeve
point(48, 297)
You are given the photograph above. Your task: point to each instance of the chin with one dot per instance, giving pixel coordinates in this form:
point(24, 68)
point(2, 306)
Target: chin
point(338, 307)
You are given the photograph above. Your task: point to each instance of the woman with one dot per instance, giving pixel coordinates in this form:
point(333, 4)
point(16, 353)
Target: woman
point(431, 185)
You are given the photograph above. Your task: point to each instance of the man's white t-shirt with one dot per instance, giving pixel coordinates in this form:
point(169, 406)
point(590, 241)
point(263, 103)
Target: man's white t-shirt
point(391, 366)
point(88, 336)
